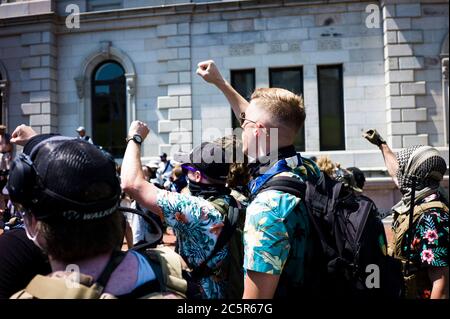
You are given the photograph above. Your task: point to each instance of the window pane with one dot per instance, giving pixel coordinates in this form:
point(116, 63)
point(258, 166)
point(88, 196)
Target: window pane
point(109, 108)
point(109, 71)
point(331, 108)
point(242, 81)
point(290, 79)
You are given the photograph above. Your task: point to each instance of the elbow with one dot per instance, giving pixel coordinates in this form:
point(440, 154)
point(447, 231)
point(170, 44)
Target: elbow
point(130, 187)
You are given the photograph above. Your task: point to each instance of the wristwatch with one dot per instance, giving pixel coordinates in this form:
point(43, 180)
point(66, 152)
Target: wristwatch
point(135, 138)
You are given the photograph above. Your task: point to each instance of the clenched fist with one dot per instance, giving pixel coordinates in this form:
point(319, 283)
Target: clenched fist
point(374, 137)
point(140, 128)
point(209, 72)
point(22, 134)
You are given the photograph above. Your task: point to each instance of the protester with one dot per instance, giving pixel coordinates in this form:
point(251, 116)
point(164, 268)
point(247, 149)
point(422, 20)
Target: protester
point(326, 165)
point(20, 261)
point(164, 171)
point(360, 178)
point(70, 194)
point(5, 159)
point(195, 219)
point(82, 135)
point(178, 180)
point(422, 242)
point(274, 218)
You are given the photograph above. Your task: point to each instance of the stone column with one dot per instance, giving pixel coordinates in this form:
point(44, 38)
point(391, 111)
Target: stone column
point(178, 102)
point(401, 65)
point(445, 97)
point(39, 80)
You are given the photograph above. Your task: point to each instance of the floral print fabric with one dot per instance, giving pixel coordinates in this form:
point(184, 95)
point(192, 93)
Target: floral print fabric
point(273, 219)
point(197, 225)
point(429, 247)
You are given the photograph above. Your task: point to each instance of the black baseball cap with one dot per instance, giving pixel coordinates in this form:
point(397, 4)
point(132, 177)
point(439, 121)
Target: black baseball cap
point(358, 175)
point(74, 179)
point(209, 158)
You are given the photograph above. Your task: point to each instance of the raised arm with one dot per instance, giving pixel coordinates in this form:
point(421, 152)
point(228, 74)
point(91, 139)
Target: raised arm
point(132, 177)
point(390, 160)
point(209, 72)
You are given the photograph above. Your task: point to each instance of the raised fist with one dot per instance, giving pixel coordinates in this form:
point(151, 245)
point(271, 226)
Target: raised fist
point(374, 137)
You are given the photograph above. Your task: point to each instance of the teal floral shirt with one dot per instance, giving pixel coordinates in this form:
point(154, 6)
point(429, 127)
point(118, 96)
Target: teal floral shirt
point(429, 246)
point(273, 220)
point(197, 225)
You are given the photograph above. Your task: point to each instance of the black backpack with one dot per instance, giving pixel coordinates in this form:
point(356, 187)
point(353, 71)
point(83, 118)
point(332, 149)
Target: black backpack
point(345, 255)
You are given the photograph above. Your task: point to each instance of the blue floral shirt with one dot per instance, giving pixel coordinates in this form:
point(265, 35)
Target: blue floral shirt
point(273, 220)
point(197, 225)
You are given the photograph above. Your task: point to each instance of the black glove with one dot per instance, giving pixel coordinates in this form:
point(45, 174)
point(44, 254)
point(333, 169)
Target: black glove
point(374, 137)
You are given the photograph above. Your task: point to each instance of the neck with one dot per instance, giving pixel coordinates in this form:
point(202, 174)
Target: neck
point(91, 267)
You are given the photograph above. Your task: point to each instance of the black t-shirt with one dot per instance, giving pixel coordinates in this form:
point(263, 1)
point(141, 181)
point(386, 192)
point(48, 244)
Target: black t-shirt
point(20, 261)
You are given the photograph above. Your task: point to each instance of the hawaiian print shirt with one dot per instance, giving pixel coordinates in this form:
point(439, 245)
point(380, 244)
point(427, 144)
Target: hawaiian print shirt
point(429, 247)
point(197, 225)
point(273, 219)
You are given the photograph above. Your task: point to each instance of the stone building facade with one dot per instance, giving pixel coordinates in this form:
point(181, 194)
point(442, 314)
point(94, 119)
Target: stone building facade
point(392, 56)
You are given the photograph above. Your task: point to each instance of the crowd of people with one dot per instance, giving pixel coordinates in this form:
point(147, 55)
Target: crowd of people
point(252, 218)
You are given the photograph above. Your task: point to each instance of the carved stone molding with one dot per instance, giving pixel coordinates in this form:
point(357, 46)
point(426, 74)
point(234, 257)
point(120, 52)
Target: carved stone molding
point(80, 82)
point(445, 69)
point(131, 84)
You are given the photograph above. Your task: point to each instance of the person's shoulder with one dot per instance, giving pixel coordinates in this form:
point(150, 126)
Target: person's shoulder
point(277, 202)
point(308, 170)
point(438, 213)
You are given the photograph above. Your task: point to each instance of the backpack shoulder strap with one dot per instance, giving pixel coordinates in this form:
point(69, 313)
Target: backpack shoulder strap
point(401, 225)
point(168, 269)
point(231, 215)
point(286, 184)
point(116, 258)
point(44, 287)
point(419, 209)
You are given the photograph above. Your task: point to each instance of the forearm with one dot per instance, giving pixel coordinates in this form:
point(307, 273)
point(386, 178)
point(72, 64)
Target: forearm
point(439, 278)
point(133, 180)
point(131, 172)
point(237, 102)
point(259, 285)
point(390, 161)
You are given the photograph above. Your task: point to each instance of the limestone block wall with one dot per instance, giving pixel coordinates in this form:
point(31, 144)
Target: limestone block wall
point(413, 35)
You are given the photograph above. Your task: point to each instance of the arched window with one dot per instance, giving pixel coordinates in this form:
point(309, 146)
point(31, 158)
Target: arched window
point(109, 107)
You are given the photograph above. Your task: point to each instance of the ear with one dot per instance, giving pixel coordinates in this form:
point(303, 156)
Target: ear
point(197, 176)
point(259, 130)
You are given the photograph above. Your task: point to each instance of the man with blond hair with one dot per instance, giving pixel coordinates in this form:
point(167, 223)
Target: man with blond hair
point(276, 228)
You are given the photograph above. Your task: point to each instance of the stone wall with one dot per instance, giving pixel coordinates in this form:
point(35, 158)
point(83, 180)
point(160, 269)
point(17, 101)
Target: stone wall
point(413, 36)
point(392, 77)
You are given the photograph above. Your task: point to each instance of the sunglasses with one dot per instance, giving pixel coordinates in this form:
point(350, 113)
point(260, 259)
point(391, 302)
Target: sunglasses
point(186, 167)
point(242, 120)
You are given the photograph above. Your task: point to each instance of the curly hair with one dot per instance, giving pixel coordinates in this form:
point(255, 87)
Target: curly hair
point(326, 165)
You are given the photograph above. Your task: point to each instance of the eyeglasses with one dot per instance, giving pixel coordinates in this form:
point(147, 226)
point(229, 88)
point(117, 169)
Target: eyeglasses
point(242, 120)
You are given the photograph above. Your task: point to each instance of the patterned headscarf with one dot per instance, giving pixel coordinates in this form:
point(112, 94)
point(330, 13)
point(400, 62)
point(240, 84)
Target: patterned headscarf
point(423, 162)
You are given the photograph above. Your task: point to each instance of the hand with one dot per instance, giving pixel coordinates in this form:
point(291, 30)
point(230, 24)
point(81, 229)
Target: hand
point(209, 72)
point(374, 137)
point(140, 128)
point(22, 134)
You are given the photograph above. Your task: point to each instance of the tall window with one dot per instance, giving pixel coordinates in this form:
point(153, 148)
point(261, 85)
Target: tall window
point(242, 81)
point(331, 108)
point(109, 107)
point(290, 79)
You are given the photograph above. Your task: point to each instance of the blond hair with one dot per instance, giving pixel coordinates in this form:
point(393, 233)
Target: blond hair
point(284, 107)
point(326, 165)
